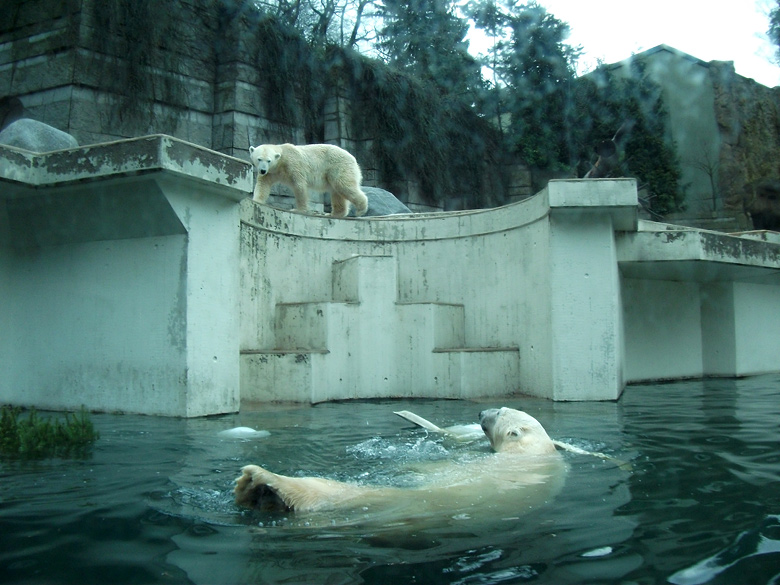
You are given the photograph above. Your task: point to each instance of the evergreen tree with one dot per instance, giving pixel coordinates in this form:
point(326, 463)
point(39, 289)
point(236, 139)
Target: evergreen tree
point(538, 69)
point(426, 38)
point(534, 69)
point(774, 26)
point(605, 102)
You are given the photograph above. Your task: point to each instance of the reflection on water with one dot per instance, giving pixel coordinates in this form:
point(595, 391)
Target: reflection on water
point(763, 541)
point(153, 504)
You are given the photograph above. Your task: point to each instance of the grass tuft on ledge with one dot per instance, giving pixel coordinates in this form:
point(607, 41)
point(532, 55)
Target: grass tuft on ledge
point(34, 437)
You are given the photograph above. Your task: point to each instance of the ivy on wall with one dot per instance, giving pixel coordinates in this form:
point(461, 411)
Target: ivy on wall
point(418, 131)
point(293, 76)
point(137, 39)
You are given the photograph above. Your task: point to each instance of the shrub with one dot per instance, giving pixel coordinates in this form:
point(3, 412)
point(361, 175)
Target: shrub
point(35, 437)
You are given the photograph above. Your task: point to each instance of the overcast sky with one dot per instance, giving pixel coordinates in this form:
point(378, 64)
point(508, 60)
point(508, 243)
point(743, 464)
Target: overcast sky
point(723, 30)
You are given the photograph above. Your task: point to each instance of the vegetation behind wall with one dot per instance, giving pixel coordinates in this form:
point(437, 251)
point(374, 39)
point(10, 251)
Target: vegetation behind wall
point(223, 73)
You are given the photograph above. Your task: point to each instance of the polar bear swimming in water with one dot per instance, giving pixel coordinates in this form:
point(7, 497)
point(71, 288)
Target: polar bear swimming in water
point(524, 470)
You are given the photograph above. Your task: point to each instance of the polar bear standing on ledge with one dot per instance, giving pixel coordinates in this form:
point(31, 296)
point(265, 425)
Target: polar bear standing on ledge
point(321, 167)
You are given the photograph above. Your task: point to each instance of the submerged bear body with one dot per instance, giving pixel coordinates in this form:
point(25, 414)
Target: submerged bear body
point(524, 471)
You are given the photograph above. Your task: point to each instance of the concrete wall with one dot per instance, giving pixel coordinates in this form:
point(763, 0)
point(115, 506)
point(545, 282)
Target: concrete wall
point(732, 313)
point(203, 76)
point(698, 303)
point(663, 329)
point(537, 276)
point(98, 338)
point(689, 329)
point(119, 278)
point(138, 276)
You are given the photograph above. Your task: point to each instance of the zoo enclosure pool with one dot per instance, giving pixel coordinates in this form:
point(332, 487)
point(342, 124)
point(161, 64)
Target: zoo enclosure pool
point(153, 503)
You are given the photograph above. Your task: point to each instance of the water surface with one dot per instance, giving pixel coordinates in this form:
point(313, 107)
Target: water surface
point(153, 503)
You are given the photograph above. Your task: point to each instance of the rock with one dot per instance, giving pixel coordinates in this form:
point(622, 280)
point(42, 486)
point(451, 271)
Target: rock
point(381, 202)
point(36, 136)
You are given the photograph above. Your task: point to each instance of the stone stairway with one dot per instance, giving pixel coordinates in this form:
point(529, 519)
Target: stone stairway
point(364, 343)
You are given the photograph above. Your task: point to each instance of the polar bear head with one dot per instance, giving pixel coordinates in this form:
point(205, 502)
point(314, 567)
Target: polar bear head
point(514, 431)
point(264, 157)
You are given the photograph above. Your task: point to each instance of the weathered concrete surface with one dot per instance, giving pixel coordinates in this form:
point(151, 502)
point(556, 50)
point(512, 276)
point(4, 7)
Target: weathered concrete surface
point(117, 266)
point(699, 303)
point(519, 272)
point(138, 276)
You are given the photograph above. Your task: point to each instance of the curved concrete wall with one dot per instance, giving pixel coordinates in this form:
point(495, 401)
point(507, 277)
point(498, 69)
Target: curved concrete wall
point(520, 272)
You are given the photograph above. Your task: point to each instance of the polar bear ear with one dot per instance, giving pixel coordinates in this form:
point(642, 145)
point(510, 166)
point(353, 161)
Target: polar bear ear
point(251, 149)
point(277, 156)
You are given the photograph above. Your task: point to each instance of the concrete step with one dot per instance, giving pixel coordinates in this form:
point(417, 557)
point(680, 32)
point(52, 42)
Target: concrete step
point(310, 377)
point(365, 344)
point(328, 325)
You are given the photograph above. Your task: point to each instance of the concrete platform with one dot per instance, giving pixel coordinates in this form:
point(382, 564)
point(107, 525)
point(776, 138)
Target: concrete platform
point(138, 276)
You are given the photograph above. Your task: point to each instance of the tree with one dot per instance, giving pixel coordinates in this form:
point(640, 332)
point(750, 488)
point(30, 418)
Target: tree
point(533, 71)
point(538, 67)
point(487, 16)
point(426, 38)
point(604, 103)
point(774, 26)
point(326, 22)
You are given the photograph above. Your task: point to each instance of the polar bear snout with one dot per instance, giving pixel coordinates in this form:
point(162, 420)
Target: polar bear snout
point(487, 419)
point(515, 431)
point(490, 413)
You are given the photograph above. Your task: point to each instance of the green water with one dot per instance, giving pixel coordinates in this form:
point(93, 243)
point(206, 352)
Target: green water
point(153, 503)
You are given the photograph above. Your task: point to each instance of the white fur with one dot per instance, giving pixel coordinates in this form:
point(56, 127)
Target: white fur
point(525, 457)
point(311, 167)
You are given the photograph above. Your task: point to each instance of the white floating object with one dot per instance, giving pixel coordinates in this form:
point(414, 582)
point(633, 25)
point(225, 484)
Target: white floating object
point(598, 552)
point(243, 433)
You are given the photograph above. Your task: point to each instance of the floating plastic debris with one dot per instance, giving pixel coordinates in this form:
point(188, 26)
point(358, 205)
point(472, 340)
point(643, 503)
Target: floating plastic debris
point(597, 552)
point(243, 433)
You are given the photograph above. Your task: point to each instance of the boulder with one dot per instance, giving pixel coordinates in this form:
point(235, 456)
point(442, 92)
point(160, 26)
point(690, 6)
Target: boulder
point(381, 202)
point(36, 136)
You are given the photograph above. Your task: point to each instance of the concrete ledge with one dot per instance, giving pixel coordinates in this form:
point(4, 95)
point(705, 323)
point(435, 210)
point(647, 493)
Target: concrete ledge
point(123, 158)
point(667, 252)
point(617, 197)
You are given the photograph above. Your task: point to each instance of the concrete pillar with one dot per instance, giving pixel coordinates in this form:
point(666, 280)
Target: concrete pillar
point(586, 349)
point(211, 282)
point(718, 329)
point(119, 264)
point(740, 321)
point(757, 323)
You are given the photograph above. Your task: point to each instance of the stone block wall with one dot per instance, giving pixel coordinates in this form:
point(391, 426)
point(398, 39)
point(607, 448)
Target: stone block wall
point(748, 118)
point(197, 71)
